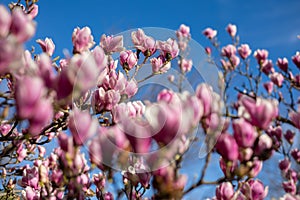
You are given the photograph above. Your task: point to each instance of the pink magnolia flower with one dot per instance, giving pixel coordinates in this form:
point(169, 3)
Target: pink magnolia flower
point(227, 147)
point(100, 58)
point(159, 65)
point(30, 177)
point(184, 31)
point(255, 166)
point(260, 112)
point(30, 194)
point(114, 80)
point(10, 55)
point(105, 100)
point(226, 64)
point(165, 121)
point(234, 61)
point(106, 144)
point(292, 175)
point(289, 136)
point(144, 43)
point(296, 59)
point(254, 190)
point(57, 177)
point(166, 95)
point(66, 144)
point(169, 48)
point(282, 63)
point(209, 33)
point(208, 51)
point(225, 191)
point(29, 91)
point(277, 78)
point(82, 126)
point(205, 93)
point(5, 21)
point(21, 152)
point(267, 67)
point(128, 59)
point(130, 109)
point(111, 44)
point(296, 79)
point(38, 122)
point(290, 186)
point(138, 133)
point(185, 65)
point(99, 180)
point(108, 196)
point(296, 155)
point(285, 164)
point(4, 128)
point(193, 108)
point(42, 151)
point(228, 169)
point(269, 87)
point(261, 55)
point(231, 29)
point(263, 148)
point(47, 45)
point(80, 76)
point(276, 134)
point(22, 27)
point(33, 11)
point(82, 39)
point(131, 88)
point(295, 118)
point(244, 51)
point(290, 197)
point(45, 70)
point(244, 133)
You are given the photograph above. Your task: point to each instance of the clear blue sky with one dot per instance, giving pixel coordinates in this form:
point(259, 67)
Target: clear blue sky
point(270, 24)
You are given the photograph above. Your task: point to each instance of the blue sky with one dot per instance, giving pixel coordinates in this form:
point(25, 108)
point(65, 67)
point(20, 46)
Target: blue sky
point(270, 24)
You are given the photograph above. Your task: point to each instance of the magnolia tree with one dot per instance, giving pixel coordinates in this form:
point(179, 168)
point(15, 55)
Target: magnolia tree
point(106, 139)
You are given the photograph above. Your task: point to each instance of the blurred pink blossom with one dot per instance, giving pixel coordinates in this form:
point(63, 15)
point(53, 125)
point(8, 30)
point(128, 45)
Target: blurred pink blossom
point(82, 39)
point(209, 33)
point(47, 45)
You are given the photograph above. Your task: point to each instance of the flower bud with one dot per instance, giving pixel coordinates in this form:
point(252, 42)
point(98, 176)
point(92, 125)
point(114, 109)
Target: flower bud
point(47, 45)
point(296, 59)
point(244, 133)
point(254, 189)
point(22, 27)
point(244, 51)
point(227, 147)
point(261, 55)
point(296, 155)
point(282, 63)
point(128, 59)
point(231, 30)
point(289, 136)
point(269, 87)
point(209, 33)
point(82, 126)
point(225, 191)
point(277, 78)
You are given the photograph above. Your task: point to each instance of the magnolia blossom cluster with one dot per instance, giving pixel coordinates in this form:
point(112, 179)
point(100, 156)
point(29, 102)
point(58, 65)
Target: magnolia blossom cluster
point(255, 138)
point(89, 99)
